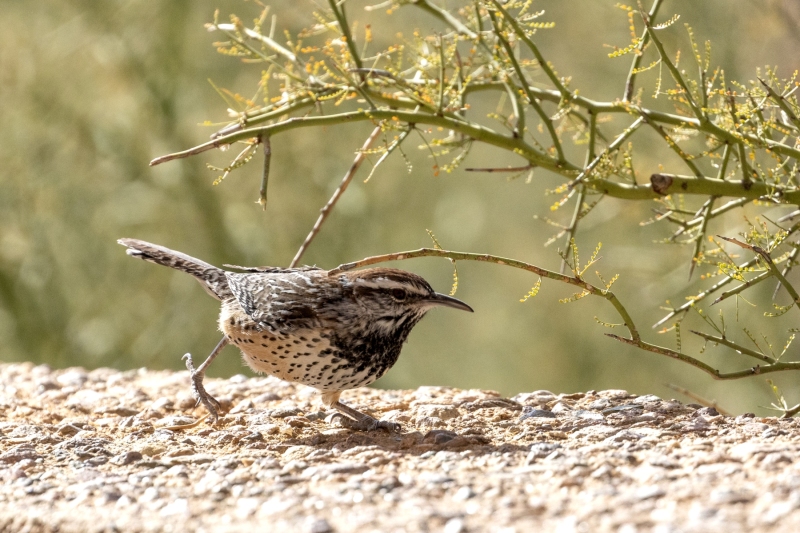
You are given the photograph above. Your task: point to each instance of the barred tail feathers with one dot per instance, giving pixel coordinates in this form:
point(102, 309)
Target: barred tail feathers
point(210, 277)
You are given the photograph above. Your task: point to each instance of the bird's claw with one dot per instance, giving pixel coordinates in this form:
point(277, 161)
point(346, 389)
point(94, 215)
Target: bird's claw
point(209, 402)
point(367, 423)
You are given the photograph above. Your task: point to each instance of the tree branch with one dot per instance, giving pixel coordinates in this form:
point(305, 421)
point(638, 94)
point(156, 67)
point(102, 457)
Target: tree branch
point(475, 131)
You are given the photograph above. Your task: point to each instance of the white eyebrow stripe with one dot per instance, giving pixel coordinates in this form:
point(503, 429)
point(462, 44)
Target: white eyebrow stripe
point(388, 284)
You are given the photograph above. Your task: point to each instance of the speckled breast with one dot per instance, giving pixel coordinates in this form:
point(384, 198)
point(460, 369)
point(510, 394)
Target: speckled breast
point(302, 356)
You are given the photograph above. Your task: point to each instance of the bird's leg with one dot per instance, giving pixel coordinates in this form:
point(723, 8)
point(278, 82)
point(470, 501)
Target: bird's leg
point(354, 419)
point(208, 401)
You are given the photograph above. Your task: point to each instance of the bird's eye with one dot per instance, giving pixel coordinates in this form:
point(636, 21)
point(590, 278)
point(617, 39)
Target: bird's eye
point(398, 294)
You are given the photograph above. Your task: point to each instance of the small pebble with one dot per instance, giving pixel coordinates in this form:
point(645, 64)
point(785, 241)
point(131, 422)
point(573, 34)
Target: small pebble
point(529, 412)
point(464, 493)
point(439, 436)
point(706, 411)
point(283, 412)
point(127, 458)
point(266, 397)
point(560, 408)
point(320, 525)
point(442, 412)
point(455, 525)
point(68, 430)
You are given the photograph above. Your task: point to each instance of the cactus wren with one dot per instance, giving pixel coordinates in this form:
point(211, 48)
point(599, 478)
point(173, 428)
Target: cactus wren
point(330, 332)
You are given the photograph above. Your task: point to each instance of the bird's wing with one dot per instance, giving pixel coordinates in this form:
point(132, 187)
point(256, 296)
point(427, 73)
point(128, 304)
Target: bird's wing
point(274, 300)
point(273, 270)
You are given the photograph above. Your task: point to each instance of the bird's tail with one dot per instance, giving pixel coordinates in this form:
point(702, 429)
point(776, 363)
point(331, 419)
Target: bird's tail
point(210, 277)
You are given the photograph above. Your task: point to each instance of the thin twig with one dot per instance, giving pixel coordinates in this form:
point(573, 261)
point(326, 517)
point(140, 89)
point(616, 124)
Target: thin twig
point(746, 173)
point(726, 156)
point(520, 32)
point(404, 85)
point(389, 149)
point(573, 225)
point(771, 264)
point(325, 211)
point(671, 354)
point(258, 53)
point(611, 148)
point(241, 158)
point(519, 113)
point(637, 58)
point(734, 346)
point(675, 148)
point(258, 37)
point(704, 219)
point(740, 288)
point(548, 123)
point(263, 115)
point(341, 18)
point(699, 399)
point(789, 413)
point(344, 27)
point(262, 198)
point(590, 151)
point(789, 265)
point(445, 16)
point(676, 75)
point(691, 302)
point(492, 169)
point(733, 204)
point(440, 101)
point(781, 101)
point(716, 374)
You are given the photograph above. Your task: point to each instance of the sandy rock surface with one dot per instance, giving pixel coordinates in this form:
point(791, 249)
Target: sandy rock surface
point(89, 451)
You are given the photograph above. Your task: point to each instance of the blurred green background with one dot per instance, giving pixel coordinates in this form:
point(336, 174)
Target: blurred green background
point(92, 91)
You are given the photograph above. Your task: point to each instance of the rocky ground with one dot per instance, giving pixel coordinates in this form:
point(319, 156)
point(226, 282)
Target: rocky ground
point(89, 451)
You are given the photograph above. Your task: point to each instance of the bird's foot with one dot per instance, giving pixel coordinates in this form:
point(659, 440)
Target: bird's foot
point(365, 423)
point(209, 402)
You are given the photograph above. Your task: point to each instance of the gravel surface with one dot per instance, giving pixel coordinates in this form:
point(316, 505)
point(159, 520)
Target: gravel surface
point(91, 451)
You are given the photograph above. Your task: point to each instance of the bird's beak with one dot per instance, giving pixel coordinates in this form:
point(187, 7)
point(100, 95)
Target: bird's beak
point(448, 301)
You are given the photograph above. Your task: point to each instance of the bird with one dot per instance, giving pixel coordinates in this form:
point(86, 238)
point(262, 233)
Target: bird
point(330, 330)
